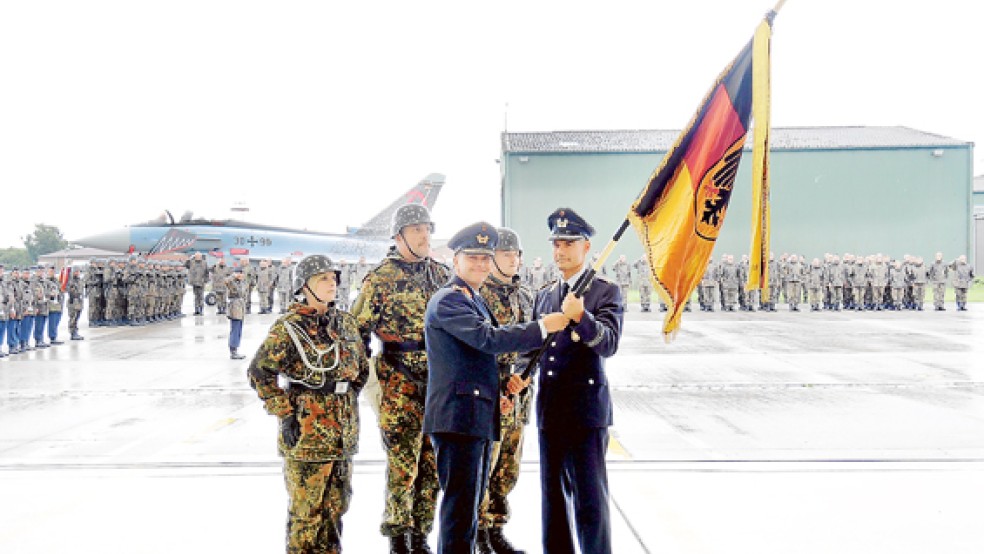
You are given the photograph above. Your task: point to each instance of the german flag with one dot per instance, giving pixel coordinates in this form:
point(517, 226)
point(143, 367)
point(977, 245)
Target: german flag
point(679, 213)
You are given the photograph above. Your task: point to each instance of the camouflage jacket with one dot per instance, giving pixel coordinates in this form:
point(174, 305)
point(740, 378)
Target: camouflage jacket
point(329, 420)
point(237, 297)
point(938, 272)
point(197, 272)
point(394, 297)
point(25, 293)
point(623, 272)
point(75, 293)
point(266, 278)
point(510, 303)
point(4, 299)
point(56, 297)
point(285, 278)
point(220, 273)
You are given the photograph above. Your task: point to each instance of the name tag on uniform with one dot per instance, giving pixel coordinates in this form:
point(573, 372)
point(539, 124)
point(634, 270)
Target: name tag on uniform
point(341, 387)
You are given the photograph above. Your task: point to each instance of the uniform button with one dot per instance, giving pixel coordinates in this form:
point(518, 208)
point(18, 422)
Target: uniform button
point(550, 374)
point(476, 392)
point(590, 381)
point(551, 358)
point(553, 343)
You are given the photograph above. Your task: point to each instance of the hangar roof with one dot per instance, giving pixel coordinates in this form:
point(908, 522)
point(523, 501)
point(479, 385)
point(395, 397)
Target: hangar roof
point(783, 138)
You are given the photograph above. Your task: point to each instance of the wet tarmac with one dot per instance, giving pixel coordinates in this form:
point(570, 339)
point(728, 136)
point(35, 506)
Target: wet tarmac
point(784, 432)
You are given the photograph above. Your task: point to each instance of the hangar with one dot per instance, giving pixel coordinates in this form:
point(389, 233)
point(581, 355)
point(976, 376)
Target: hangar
point(893, 190)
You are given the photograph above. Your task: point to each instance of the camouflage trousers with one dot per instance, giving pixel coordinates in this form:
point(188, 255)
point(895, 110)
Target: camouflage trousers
point(220, 300)
point(877, 295)
point(897, 295)
point(266, 299)
point(794, 292)
point(730, 297)
point(645, 295)
point(199, 291)
point(918, 294)
point(961, 294)
point(95, 308)
point(815, 296)
point(939, 292)
point(319, 495)
point(134, 307)
point(283, 299)
point(73, 319)
point(503, 475)
point(411, 468)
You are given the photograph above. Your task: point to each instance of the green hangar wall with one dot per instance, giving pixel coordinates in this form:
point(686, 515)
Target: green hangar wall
point(892, 190)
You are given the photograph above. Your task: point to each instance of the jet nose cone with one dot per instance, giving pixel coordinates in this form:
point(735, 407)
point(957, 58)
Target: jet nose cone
point(117, 240)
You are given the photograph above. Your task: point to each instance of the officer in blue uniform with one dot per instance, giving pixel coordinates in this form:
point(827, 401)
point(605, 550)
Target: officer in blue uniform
point(461, 411)
point(574, 405)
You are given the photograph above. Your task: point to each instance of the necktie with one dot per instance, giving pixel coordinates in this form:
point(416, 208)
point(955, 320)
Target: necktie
point(564, 289)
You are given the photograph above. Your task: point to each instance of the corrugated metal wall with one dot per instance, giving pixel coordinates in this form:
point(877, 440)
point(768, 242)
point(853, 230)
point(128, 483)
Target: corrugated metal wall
point(895, 201)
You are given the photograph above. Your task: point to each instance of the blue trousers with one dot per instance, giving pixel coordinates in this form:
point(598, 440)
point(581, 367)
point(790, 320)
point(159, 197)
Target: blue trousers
point(26, 328)
point(235, 332)
point(3, 330)
point(54, 318)
point(574, 480)
point(13, 337)
point(463, 473)
point(39, 321)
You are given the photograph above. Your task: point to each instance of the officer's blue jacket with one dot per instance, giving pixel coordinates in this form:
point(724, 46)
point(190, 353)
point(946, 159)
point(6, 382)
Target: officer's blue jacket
point(573, 388)
point(462, 339)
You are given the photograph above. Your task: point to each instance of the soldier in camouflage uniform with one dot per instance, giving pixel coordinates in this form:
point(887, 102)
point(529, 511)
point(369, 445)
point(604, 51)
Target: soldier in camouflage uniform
point(510, 302)
point(794, 280)
point(13, 310)
point(249, 273)
point(708, 283)
point(197, 275)
point(134, 291)
point(28, 308)
point(878, 273)
point(76, 299)
point(56, 303)
point(537, 275)
point(623, 278)
point(391, 305)
point(918, 276)
point(4, 310)
point(94, 290)
point(220, 274)
point(814, 284)
point(938, 274)
point(645, 285)
point(344, 285)
point(896, 280)
point(265, 277)
point(728, 276)
point(284, 277)
point(318, 351)
point(41, 306)
point(963, 276)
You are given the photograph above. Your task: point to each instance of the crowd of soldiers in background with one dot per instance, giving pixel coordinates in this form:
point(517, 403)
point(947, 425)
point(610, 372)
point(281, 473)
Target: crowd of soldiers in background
point(271, 282)
point(853, 282)
point(31, 304)
point(134, 290)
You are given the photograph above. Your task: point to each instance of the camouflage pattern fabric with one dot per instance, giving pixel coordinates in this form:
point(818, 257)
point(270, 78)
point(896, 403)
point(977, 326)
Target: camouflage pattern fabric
point(319, 494)
point(510, 303)
point(318, 468)
point(391, 304)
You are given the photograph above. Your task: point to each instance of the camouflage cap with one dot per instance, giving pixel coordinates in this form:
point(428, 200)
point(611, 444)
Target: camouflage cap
point(310, 266)
point(410, 214)
point(508, 240)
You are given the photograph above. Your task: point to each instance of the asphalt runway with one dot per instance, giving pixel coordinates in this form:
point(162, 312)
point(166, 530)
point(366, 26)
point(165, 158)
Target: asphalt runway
point(751, 432)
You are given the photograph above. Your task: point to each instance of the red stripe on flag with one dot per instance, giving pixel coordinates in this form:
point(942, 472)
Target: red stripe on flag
point(720, 129)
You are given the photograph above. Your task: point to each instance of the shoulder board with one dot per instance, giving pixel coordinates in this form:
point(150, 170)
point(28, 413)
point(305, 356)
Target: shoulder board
point(603, 278)
point(548, 285)
point(462, 290)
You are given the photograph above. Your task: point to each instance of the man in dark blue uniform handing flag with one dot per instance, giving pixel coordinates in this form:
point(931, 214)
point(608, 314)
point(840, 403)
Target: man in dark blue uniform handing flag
point(462, 413)
point(574, 405)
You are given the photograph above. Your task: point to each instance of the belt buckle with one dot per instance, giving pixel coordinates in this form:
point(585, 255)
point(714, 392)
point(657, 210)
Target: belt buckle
point(341, 387)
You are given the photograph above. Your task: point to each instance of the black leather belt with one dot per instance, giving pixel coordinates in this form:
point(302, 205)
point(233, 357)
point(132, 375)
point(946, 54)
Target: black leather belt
point(405, 346)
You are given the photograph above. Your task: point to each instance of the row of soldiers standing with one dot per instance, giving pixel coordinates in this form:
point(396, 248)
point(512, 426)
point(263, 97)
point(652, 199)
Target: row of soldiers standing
point(853, 283)
point(271, 282)
point(31, 305)
point(536, 275)
point(134, 290)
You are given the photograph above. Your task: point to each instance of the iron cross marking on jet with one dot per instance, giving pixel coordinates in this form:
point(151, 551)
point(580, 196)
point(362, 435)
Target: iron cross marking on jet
point(252, 241)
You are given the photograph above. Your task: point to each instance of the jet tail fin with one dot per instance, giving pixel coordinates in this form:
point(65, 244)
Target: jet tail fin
point(425, 192)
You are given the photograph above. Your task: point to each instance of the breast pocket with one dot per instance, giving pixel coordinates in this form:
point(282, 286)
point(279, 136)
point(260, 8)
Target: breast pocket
point(473, 405)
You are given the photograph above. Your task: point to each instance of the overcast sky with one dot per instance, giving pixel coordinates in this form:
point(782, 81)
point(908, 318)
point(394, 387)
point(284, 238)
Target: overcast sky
point(316, 114)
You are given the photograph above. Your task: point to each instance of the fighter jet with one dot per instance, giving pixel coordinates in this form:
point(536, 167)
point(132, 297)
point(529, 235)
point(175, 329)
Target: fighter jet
point(229, 237)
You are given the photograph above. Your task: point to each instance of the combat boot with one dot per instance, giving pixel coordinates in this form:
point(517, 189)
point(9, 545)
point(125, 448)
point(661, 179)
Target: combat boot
point(417, 543)
point(235, 355)
point(76, 336)
point(482, 545)
point(499, 543)
point(398, 545)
